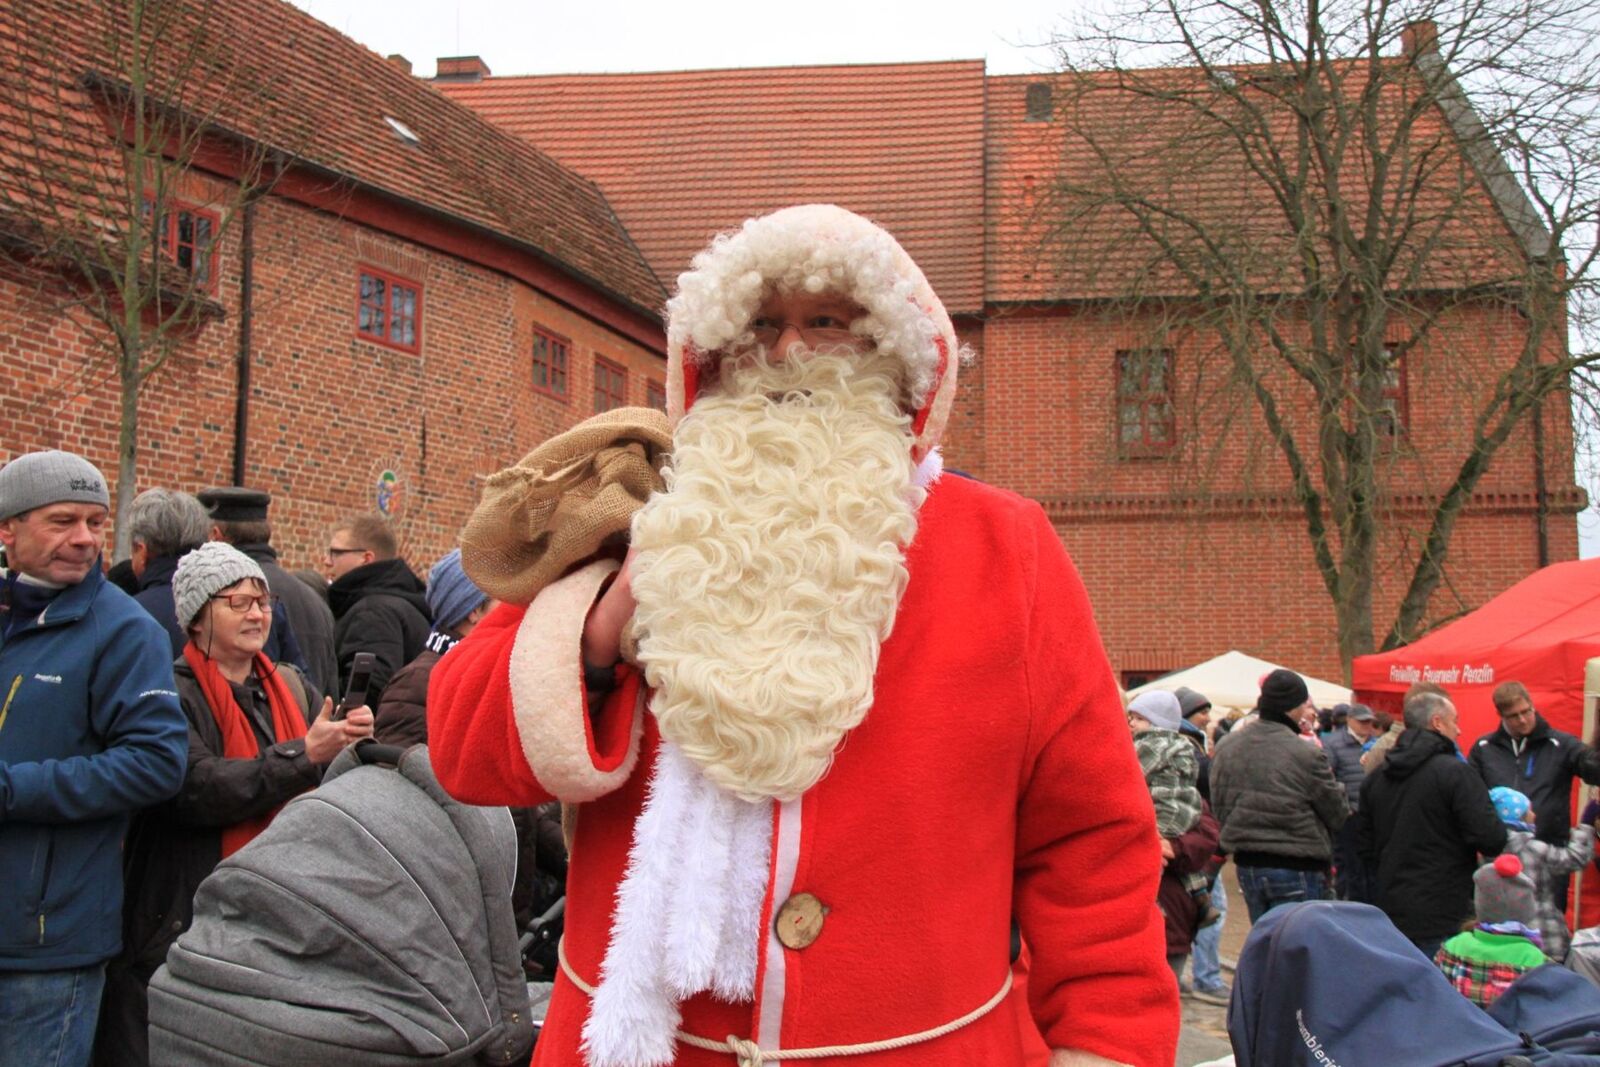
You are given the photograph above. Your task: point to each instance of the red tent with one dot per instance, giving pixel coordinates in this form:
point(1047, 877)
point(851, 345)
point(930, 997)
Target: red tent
point(1540, 632)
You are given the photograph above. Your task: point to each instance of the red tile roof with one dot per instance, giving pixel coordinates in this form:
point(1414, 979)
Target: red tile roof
point(1158, 149)
point(686, 154)
point(278, 75)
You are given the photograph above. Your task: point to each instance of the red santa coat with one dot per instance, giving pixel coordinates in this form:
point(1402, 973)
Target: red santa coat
point(994, 775)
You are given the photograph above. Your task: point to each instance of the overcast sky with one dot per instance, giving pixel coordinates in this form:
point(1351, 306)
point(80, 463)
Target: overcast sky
point(539, 37)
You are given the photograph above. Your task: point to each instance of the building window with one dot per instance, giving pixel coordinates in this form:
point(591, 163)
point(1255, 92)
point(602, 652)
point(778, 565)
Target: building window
point(1038, 99)
point(389, 309)
point(550, 363)
point(655, 394)
point(610, 385)
point(187, 236)
point(1393, 415)
point(1134, 679)
point(1146, 424)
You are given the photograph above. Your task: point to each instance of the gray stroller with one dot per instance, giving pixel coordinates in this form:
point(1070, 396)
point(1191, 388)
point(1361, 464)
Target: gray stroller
point(369, 924)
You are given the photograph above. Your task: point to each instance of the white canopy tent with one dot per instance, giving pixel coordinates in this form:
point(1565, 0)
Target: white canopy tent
point(1233, 681)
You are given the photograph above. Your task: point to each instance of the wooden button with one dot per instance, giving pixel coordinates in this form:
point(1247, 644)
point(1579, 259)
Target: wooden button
point(799, 921)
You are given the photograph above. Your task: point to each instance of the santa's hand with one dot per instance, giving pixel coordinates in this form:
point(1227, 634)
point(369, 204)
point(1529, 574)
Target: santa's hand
point(1167, 853)
point(602, 630)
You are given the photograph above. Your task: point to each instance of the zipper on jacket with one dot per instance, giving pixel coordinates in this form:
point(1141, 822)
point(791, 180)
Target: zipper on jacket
point(5, 709)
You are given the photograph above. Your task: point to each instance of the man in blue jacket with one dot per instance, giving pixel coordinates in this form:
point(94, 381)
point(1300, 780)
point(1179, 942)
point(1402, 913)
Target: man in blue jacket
point(90, 731)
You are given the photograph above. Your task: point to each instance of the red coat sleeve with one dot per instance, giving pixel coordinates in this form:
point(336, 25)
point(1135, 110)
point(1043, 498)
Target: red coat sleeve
point(1088, 858)
point(472, 730)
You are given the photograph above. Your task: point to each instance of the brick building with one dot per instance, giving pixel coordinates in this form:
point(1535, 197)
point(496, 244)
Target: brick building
point(429, 297)
point(530, 228)
point(1190, 542)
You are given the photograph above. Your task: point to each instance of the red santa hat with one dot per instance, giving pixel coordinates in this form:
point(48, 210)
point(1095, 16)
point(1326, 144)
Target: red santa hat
point(815, 248)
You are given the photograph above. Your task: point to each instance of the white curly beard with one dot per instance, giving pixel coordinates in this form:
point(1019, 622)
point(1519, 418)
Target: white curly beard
point(769, 572)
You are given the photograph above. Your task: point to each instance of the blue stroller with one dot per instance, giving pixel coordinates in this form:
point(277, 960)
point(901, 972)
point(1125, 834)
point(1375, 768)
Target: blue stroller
point(1330, 984)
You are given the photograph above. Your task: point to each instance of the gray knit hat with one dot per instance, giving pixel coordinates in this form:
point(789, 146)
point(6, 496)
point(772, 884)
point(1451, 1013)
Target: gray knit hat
point(206, 571)
point(1159, 708)
point(39, 478)
point(1503, 893)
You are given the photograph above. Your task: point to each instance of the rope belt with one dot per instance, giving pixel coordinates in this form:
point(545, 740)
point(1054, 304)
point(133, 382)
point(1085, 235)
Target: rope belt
point(747, 1054)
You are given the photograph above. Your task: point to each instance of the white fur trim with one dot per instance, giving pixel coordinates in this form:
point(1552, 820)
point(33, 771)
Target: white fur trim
point(816, 248)
point(929, 470)
point(1064, 1057)
point(547, 695)
point(688, 914)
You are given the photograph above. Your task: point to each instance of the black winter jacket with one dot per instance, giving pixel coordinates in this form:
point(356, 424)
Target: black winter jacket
point(1424, 818)
point(379, 608)
point(1542, 767)
point(1275, 798)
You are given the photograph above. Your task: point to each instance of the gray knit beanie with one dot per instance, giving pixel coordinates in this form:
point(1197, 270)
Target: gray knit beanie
point(1503, 893)
point(205, 572)
point(1159, 708)
point(39, 478)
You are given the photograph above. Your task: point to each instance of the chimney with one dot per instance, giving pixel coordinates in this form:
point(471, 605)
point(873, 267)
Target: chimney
point(1419, 38)
point(461, 69)
point(400, 61)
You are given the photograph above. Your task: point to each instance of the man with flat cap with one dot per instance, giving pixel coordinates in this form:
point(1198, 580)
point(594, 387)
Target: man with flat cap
point(90, 731)
point(239, 517)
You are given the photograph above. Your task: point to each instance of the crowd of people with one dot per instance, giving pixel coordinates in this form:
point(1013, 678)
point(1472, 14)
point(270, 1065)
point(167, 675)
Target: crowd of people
point(1469, 855)
point(144, 738)
point(817, 709)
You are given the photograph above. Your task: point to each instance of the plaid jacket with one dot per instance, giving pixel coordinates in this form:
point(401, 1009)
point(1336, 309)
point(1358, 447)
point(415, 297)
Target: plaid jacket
point(1481, 982)
point(1541, 862)
point(1170, 772)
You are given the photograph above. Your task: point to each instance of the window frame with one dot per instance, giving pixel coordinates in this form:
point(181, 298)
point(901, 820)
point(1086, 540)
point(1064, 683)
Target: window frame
point(1145, 447)
point(654, 390)
point(621, 372)
point(166, 236)
point(390, 279)
point(1399, 394)
point(550, 337)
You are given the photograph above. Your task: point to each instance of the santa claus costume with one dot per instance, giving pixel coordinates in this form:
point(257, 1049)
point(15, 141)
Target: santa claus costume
point(861, 916)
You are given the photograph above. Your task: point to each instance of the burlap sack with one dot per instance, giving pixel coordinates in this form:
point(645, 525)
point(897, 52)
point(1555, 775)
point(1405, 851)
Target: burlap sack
point(563, 501)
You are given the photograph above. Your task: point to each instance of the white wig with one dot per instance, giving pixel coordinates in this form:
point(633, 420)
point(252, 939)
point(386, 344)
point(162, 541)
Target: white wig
point(815, 248)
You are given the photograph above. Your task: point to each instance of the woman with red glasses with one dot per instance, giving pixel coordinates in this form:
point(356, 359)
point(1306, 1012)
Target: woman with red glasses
point(254, 743)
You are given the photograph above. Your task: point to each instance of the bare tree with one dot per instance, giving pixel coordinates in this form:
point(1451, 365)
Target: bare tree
point(141, 132)
point(1313, 193)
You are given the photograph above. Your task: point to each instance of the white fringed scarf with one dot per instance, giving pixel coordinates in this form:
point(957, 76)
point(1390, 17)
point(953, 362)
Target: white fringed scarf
point(688, 914)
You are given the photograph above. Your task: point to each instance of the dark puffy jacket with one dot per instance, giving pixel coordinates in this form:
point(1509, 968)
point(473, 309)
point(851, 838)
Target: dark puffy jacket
point(1425, 816)
point(381, 608)
point(1344, 758)
point(310, 618)
point(174, 846)
point(401, 717)
point(1543, 770)
point(1275, 798)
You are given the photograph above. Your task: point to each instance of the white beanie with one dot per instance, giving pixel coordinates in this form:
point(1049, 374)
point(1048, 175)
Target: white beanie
point(204, 573)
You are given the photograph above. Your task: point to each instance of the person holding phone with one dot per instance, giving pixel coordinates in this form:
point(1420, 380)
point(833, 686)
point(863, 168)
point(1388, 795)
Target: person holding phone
point(259, 735)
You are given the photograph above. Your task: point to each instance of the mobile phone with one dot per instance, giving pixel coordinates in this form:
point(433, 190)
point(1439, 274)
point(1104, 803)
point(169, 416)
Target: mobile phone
point(355, 694)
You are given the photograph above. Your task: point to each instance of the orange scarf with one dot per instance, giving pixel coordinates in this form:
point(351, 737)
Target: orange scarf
point(238, 739)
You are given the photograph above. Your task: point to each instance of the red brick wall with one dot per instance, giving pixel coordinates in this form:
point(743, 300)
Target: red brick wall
point(1175, 582)
point(330, 411)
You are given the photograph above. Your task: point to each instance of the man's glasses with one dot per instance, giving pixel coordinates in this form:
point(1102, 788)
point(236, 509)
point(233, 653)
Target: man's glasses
point(241, 602)
point(816, 333)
